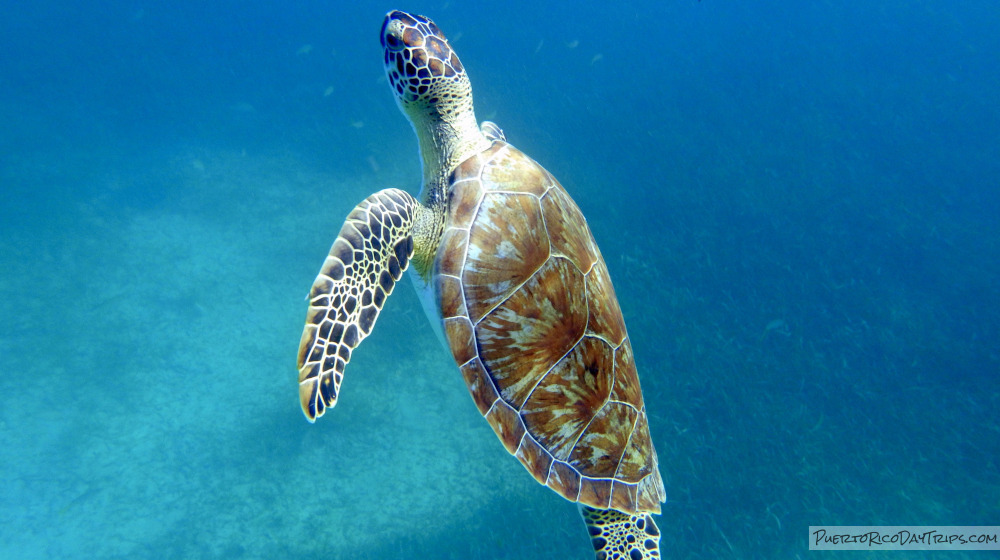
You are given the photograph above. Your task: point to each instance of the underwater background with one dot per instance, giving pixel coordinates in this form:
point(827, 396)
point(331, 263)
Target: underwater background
point(799, 203)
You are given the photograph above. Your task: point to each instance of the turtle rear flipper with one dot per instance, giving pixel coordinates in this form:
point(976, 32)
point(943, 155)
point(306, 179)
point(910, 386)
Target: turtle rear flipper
point(620, 535)
point(370, 254)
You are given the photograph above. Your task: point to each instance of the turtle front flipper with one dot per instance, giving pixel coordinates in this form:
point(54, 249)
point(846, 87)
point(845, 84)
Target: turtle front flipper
point(620, 535)
point(373, 249)
point(492, 131)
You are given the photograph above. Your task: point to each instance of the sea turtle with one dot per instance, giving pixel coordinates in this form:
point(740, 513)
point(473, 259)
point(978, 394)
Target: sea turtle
point(515, 284)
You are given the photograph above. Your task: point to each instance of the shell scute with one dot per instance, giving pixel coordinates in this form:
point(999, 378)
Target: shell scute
point(650, 493)
point(565, 480)
point(465, 197)
point(603, 443)
point(507, 425)
point(507, 244)
point(531, 330)
point(458, 331)
point(567, 229)
point(452, 302)
point(507, 172)
point(635, 464)
point(568, 397)
point(453, 246)
point(623, 496)
point(535, 458)
point(626, 388)
point(605, 316)
point(480, 386)
point(595, 492)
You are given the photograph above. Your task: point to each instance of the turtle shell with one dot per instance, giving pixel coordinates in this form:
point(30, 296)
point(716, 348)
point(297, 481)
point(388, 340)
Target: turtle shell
point(533, 323)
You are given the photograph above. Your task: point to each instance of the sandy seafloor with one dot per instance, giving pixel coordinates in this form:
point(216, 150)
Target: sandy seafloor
point(798, 205)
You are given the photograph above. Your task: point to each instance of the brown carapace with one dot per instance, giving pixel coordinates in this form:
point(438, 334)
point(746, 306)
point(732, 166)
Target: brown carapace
point(533, 322)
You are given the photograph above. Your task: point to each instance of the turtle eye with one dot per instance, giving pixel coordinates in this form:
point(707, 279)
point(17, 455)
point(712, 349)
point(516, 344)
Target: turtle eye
point(393, 42)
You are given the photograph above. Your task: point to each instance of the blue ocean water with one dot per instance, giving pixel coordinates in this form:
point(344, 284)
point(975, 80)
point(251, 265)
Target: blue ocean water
point(798, 203)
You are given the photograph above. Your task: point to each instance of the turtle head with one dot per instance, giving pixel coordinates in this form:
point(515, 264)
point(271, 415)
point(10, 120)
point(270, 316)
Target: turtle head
point(426, 75)
point(433, 91)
